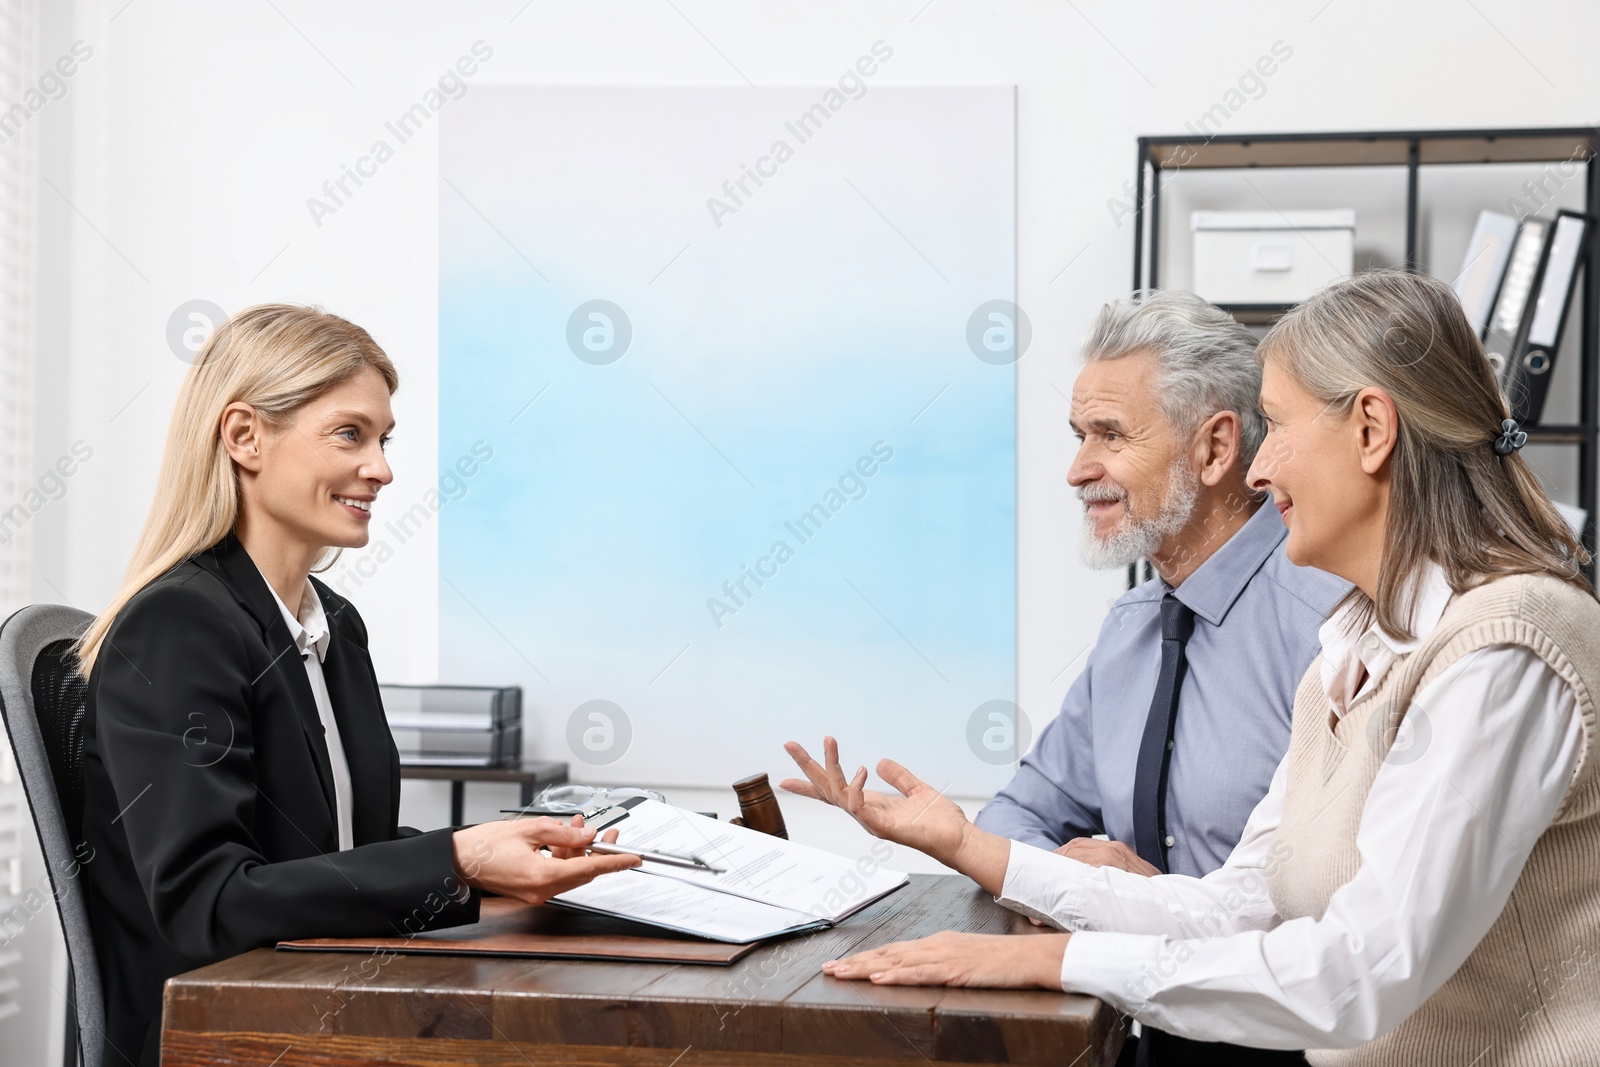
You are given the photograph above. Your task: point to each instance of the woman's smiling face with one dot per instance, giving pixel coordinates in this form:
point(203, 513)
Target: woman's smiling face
point(1312, 464)
point(320, 475)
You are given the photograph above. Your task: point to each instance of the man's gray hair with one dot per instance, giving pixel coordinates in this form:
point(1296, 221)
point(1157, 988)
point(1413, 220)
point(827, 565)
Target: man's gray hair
point(1205, 358)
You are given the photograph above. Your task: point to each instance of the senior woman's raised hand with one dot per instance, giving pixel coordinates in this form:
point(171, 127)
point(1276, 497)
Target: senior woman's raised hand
point(925, 819)
point(921, 817)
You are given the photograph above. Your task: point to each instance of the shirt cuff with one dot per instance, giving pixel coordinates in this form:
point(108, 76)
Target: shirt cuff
point(1112, 967)
point(1043, 885)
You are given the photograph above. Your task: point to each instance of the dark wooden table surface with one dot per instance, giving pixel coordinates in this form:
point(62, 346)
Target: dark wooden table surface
point(774, 1006)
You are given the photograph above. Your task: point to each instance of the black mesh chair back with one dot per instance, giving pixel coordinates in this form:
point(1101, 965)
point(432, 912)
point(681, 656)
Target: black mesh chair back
point(58, 692)
point(41, 700)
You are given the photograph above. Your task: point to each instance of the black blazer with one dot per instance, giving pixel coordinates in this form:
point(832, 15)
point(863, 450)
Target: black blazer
point(210, 796)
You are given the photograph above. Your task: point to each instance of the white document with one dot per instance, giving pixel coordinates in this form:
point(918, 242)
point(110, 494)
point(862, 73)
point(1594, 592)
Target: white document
point(686, 908)
point(754, 865)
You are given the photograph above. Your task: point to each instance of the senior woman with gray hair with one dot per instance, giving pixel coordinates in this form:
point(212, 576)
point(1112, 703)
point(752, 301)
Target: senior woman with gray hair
point(1421, 884)
point(1169, 736)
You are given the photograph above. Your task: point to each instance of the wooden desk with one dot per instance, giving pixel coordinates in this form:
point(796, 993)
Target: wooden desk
point(529, 775)
point(773, 1007)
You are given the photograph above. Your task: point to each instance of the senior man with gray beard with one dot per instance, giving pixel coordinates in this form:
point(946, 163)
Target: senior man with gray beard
point(1170, 736)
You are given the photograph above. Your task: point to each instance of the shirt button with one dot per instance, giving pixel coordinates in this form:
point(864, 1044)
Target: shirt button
point(1369, 643)
point(1171, 841)
point(1169, 746)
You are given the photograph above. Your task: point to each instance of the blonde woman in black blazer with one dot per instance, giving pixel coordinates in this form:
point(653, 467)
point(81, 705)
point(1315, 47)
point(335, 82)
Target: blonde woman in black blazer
point(242, 784)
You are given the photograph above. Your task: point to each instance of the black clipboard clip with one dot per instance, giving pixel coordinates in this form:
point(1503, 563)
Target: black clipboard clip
point(607, 814)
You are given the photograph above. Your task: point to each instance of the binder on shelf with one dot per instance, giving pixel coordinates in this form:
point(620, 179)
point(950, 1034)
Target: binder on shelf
point(1531, 309)
point(455, 725)
point(1528, 375)
point(1484, 267)
point(1511, 303)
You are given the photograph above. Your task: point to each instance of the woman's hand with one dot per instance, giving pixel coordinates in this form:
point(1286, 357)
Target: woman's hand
point(921, 817)
point(993, 961)
point(576, 853)
point(505, 858)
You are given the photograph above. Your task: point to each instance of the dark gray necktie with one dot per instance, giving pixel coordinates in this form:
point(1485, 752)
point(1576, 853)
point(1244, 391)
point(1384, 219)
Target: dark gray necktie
point(1155, 749)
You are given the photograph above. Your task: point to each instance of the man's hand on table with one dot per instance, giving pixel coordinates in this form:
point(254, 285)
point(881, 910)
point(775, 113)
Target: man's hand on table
point(1106, 854)
point(993, 961)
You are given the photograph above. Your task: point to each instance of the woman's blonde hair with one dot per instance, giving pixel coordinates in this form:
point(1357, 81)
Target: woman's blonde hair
point(1453, 498)
point(274, 357)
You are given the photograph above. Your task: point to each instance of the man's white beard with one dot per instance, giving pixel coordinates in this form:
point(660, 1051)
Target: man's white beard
point(1135, 539)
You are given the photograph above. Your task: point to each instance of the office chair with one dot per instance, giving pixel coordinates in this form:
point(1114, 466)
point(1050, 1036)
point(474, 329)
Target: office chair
point(41, 700)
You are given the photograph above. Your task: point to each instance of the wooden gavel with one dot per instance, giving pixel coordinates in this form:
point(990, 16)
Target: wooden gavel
point(758, 807)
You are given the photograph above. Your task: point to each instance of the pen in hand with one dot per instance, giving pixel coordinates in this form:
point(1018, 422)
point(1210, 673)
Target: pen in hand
point(670, 858)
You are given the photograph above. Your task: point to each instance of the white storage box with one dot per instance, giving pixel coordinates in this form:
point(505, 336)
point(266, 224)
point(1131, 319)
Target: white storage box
point(1270, 257)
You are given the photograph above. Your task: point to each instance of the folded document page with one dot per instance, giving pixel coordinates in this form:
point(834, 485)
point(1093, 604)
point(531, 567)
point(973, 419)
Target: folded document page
point(765, 886)
point(686, 908)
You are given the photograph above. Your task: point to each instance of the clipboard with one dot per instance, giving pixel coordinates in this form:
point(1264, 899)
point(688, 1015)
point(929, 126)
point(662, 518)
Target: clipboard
point(511, 928)
point(748, 888)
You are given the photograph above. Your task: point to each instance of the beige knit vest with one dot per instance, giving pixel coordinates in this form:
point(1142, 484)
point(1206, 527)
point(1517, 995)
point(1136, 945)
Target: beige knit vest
point(1529, 994)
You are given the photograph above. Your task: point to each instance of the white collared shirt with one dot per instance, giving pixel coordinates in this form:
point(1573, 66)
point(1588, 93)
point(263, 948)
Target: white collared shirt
point(1344, 655)
point(1478, 770)
point(310, 633)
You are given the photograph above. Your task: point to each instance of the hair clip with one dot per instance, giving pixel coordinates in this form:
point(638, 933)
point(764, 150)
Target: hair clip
point(1512, 437)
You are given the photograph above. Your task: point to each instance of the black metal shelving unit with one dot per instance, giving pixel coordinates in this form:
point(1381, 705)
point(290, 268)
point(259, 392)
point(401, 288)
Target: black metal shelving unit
point(1413, 150)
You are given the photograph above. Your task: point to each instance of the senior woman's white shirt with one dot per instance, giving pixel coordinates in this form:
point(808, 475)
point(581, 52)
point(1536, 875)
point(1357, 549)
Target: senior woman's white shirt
point(1479, 769)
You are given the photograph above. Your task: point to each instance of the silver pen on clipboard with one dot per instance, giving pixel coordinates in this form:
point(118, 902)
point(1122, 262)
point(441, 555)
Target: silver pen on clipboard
point(670, 858)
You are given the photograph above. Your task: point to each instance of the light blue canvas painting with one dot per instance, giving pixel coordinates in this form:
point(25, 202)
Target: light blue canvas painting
point(726, 370)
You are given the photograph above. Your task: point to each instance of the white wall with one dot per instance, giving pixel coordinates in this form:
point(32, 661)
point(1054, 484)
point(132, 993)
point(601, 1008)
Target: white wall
point(189, 143)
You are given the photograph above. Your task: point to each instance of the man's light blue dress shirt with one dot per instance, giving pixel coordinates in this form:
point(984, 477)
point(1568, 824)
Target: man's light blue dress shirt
point(1255, 633)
